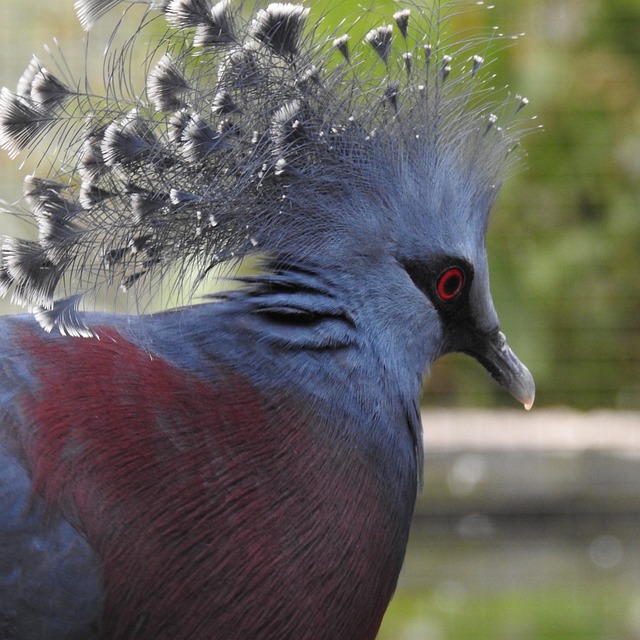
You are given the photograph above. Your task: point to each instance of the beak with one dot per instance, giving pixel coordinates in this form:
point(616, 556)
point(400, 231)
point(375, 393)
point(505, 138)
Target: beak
point(498, 359)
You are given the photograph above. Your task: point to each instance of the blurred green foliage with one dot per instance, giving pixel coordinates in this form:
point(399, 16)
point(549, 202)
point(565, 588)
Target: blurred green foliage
point(565, 241)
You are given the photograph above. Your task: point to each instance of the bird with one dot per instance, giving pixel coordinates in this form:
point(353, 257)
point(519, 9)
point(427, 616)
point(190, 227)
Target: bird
point(244, 463)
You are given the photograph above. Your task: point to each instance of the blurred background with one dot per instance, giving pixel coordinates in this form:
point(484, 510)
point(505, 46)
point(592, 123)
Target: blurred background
point(529, 525)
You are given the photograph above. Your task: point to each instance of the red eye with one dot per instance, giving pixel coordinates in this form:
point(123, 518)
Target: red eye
point(450, 284)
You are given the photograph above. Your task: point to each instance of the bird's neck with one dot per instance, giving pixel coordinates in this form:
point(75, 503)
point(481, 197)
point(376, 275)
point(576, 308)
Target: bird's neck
point(295, 333)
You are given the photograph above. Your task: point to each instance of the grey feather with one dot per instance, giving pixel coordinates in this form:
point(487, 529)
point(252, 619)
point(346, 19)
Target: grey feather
point(166, 85)
point(380, 39)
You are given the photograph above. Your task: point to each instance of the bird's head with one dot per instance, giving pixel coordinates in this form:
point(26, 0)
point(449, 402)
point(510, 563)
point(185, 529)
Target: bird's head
point(409, 205)
point(443, 251)
point(412, 240)
point(380, 156)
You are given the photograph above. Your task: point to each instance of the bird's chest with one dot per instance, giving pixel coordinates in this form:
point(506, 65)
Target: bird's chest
point(273, 535)
point(218, 511)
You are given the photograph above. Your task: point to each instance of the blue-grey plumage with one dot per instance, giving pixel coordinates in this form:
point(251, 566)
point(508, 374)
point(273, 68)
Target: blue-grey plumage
point(283, 414)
